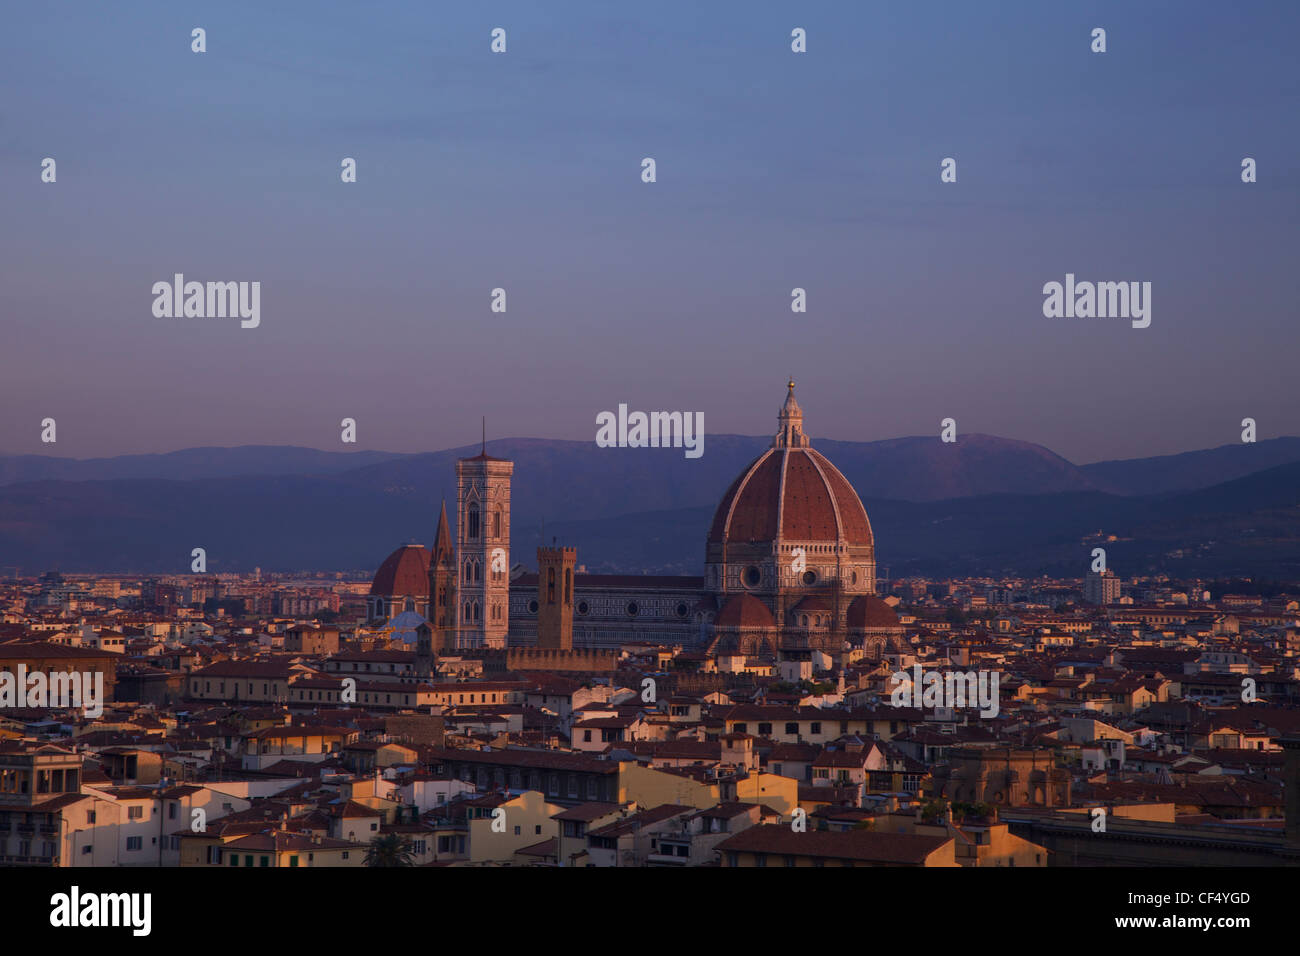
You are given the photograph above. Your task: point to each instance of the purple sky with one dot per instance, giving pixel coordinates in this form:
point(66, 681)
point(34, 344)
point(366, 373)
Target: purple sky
point(522, 170)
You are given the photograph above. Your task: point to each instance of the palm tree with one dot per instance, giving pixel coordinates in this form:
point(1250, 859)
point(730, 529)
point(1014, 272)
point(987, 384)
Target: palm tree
point(390, 849)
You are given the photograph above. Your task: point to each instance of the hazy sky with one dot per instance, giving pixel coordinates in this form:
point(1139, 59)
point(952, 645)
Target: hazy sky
point(522, 170)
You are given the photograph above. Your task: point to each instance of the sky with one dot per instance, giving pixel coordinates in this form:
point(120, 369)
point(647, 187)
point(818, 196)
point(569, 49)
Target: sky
point(522, 171)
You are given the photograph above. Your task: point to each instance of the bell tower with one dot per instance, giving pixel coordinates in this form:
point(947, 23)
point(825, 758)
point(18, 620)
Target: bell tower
point(482, 593)
point(555, 597)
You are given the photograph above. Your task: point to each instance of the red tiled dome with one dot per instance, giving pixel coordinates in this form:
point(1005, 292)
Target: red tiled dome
point(802, 490)
point(744, 610)
point(814, 604)
point(404, 573)
point(867, 610)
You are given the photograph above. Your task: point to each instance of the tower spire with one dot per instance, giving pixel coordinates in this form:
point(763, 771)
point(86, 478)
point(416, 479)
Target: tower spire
point(789, 422)
point(442, 546)
point(484, 450)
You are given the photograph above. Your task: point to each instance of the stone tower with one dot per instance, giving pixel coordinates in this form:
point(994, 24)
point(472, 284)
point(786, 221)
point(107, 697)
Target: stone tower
point(441, 609)
point(555, 597)
point(483, 550)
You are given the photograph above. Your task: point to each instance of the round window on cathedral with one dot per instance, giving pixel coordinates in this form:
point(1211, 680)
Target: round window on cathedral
point(532, 607)
point(809, 577)
point(683, 610)
point(632, 609)
point(752, 576)
point(854, 577)
point(583, 607)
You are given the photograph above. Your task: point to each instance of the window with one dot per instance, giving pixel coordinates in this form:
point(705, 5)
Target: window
point(815, 727)
point(791, 728)
point(134, 843)
point(293, 861)
point(473, 522)
point(135, 813)
point(234, 859)
point(264, 861)
point(496, 523)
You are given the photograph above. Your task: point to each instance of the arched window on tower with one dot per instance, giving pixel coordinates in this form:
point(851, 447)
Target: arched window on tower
point(496, 522)
point(568, 586)
point(472, 522)
point(550, 585)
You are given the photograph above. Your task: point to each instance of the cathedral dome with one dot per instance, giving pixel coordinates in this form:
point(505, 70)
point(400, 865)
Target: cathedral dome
point(791, 493)
point(404, 573)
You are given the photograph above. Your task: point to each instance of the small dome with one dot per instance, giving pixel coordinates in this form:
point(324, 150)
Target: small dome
point(744, 610)
point(404, 573)
point(867, 610)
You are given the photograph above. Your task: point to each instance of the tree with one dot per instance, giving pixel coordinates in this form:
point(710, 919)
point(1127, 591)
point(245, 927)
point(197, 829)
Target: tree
point(390, 849)
point(933, 811)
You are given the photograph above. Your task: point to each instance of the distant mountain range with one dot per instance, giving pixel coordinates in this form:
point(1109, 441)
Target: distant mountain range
point(981, 504)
